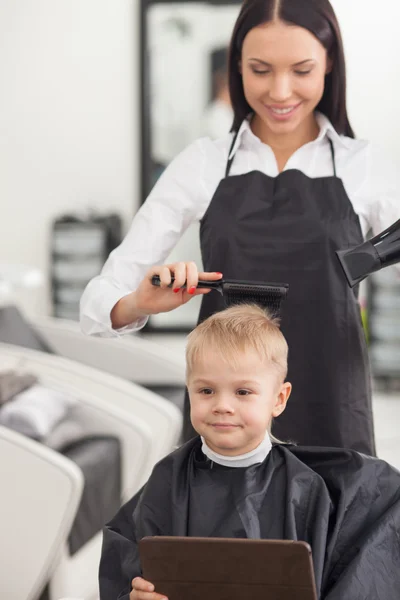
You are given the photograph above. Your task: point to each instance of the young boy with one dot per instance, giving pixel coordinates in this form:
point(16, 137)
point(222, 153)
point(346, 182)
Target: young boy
point(231, 482)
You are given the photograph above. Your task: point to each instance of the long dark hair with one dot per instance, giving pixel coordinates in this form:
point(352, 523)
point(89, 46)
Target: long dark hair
point(318, 17)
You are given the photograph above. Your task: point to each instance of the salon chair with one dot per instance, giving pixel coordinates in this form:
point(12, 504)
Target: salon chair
point(40, 494)
point(146, 428)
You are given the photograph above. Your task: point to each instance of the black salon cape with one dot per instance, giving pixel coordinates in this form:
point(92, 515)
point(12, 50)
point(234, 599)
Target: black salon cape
point(344, 504)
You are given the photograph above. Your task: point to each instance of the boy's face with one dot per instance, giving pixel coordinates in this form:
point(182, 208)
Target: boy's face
point(232, 407)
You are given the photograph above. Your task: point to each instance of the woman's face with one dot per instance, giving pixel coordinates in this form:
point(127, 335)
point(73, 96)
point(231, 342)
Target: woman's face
point(283, 69)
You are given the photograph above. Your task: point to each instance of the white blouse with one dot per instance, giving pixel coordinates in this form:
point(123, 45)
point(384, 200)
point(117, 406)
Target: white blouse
point(184, 191)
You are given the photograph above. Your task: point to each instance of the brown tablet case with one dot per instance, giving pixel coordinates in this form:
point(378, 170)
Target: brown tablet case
point(187, 568)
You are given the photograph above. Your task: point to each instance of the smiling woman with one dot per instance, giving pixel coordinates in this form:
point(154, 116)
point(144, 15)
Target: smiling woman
point(298, 42)
point(283, 94)
point(275, 198)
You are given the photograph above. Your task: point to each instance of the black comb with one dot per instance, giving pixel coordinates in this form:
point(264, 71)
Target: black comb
point(267, 295)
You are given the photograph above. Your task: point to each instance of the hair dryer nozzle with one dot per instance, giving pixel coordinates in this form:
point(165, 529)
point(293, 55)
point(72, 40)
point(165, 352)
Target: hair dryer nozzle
point(359, 262)
point(381, 251)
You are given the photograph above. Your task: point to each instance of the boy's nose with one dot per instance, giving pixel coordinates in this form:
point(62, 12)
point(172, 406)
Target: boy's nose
point(223, 404)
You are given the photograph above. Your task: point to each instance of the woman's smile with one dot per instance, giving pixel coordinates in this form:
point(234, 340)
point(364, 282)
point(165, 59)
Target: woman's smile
point(282, 113)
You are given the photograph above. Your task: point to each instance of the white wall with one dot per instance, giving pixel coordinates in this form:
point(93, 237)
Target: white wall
point(68, 117)
point(372, 47)
point(69, 108)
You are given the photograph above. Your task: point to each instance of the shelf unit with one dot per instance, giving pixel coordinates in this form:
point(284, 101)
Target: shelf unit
point(384, 326)
point(79, 248)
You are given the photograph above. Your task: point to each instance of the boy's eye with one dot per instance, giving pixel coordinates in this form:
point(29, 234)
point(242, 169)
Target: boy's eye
point(243, 392)
point(206, 391)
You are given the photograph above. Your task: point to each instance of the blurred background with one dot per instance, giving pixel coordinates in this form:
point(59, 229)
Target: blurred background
point(96, 98)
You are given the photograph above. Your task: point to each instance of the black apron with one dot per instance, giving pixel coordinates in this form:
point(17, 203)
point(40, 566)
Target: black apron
point(287, 229)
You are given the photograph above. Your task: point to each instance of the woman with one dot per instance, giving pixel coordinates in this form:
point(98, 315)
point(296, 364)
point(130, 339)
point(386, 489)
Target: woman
point(275, 198)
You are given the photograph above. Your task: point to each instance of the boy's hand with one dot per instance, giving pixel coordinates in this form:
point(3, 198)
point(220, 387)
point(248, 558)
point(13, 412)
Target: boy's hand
point(144, 590)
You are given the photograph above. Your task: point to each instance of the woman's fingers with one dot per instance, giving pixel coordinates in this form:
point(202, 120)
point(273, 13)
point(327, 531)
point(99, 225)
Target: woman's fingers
point(214, 276)
point(200, 292)
point(165, 276)
point(179, 270)
point(185, 275)
point(192, 277)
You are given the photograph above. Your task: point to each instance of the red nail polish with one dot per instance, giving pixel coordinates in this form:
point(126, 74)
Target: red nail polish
point(176, 290)
point(192, 289)
point(218, 273)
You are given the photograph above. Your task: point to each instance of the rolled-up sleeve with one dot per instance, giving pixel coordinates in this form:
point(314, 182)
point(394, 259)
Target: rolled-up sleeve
point(176, 201)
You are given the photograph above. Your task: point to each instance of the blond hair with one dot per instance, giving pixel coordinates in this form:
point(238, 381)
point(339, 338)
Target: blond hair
point(236, 330)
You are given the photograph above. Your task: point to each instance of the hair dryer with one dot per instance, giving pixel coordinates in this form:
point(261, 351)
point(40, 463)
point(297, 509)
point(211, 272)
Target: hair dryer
point(381, 251)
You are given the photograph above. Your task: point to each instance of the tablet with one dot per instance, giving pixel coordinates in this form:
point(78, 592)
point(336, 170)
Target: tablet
point(188, 568)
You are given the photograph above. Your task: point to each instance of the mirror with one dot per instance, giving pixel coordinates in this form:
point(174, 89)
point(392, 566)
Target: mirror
point(184, 97)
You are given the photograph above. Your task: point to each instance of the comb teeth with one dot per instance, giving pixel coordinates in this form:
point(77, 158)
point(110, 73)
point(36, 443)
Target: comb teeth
point(268, 297)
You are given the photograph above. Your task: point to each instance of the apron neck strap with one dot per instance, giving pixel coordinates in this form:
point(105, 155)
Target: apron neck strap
point(333, 156)
point(230, 158)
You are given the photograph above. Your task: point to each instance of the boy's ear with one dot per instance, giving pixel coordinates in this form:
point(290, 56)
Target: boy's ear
point(281, 399)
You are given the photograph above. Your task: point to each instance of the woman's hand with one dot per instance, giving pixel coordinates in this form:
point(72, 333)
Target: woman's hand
point(149, 299)
point(144, 590)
